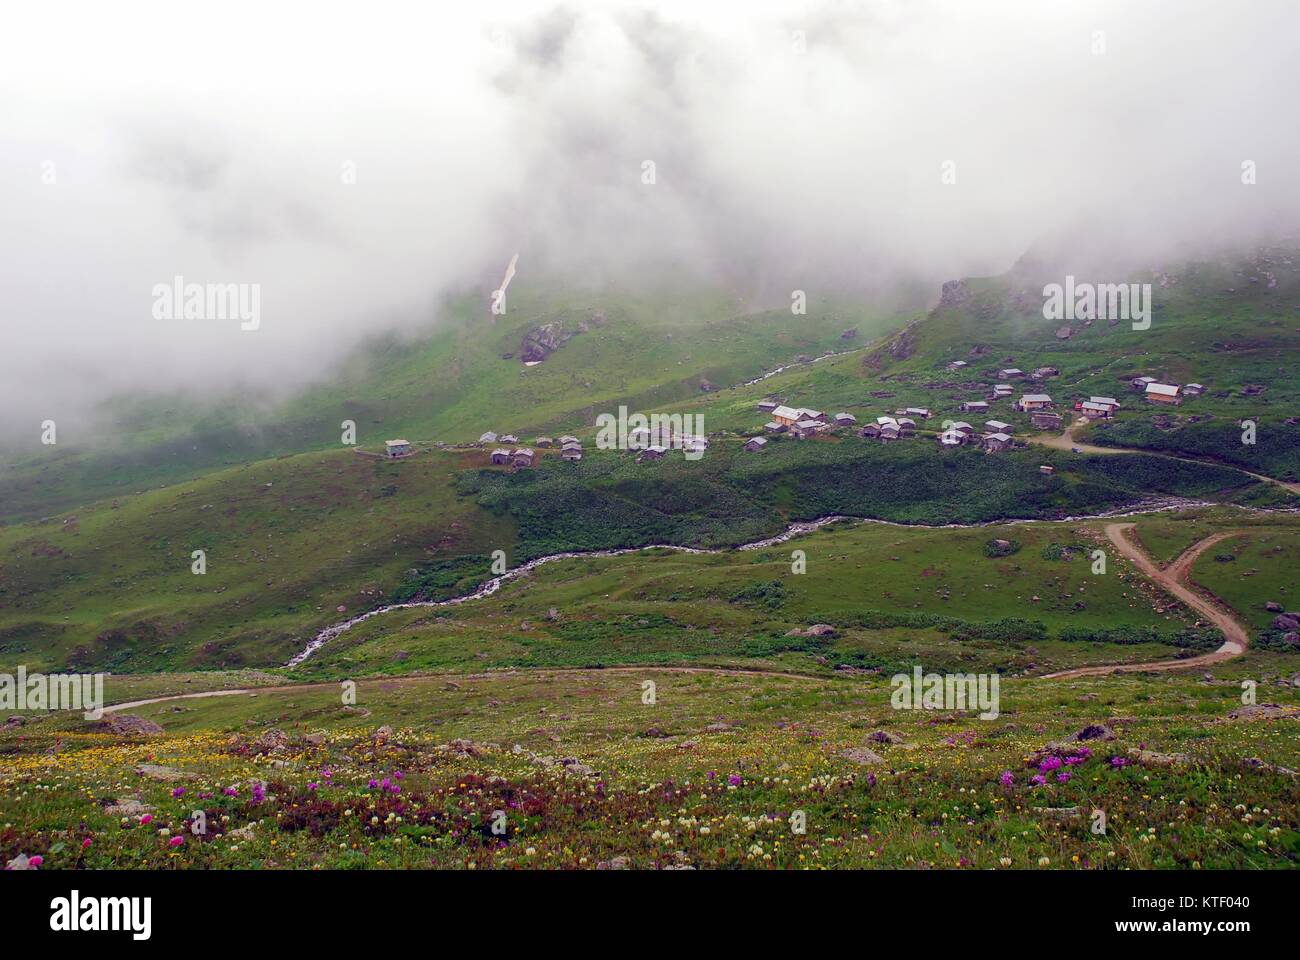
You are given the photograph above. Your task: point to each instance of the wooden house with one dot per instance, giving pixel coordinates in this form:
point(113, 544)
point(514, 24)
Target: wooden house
point(1167, 393)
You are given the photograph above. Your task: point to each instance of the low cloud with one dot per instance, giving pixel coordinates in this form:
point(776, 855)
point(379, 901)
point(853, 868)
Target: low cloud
point(362, 163)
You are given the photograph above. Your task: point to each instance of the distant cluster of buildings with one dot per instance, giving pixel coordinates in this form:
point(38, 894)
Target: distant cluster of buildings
point(995, 437)
point(520, 457)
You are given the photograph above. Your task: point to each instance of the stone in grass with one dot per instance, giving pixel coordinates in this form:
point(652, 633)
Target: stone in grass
point(884, 736)
point(863, 756)
point(129, 724)
point(127, 807)
point(1094, 731)
point(1262, 711)
point(816, 630)
point(155, 771)
point(1150, 758)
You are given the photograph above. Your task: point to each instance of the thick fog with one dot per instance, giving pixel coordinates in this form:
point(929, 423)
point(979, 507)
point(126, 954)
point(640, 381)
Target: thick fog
point(362, 162)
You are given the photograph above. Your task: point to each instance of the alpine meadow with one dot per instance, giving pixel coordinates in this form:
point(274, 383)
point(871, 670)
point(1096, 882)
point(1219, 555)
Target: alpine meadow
point(625, 436)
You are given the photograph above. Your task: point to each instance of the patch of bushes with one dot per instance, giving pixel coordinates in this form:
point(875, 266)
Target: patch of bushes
point(770, 594)
point(1001, 548)
point(1186, 639)
point(443, 579)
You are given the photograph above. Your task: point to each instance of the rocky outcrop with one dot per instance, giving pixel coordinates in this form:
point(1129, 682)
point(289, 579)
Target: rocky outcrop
point(129, 725)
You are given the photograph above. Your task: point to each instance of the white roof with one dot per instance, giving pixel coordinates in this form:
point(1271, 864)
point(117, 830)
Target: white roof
point(1035, 398)
point(789, 413)
point(656, 449)
point(1162, 389)
point(922, 411)
point(572, 445)
point(523, 450)
point(760, 441)
point(884, 420)
point(1110, 400)
point(906, 421)
point(999, 437)
point(1196, 385)
point(1089, 405)
point(1003, 386)
point(951, 438)
point(810, 414)
point(961, 426)
point(805, 424)
point(1144, 379)
point(1009, 370)
point(397, 443)
point(845, 416)
point(488, 437)
point(499, 452)
point(976, 403)
point(996, 424)
point(957, 363)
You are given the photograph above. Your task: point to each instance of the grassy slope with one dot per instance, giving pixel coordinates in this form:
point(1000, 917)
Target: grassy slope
point(289, 540)
point(1199, 333)
point(450, 384)
point(1266, 567)
point(736, 609)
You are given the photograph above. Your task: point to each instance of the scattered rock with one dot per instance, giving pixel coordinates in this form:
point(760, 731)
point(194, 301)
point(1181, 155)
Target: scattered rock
point(1255, 763)
point(1094, 731)
point(1263, 711)
point(1273, 607)
point(464, 748)
point(816, 630)
point(884, 736)
point(1150, 758)
point(863, 756)
point(274, 740)
point(156, 771)
point(127, 807)
point(126, 723)
point(1287, 621)
point(1060, 813)
point(617, 863)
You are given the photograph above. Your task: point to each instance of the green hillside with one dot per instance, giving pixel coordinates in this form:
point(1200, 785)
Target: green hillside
point(462, 377)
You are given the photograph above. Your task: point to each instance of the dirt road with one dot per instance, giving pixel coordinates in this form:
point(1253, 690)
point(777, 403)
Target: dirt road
point(1174, 579)
point(1065, 441)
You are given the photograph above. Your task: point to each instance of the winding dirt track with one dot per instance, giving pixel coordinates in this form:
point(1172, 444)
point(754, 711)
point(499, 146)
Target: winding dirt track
point(1065, 441)
point(1174, 579)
